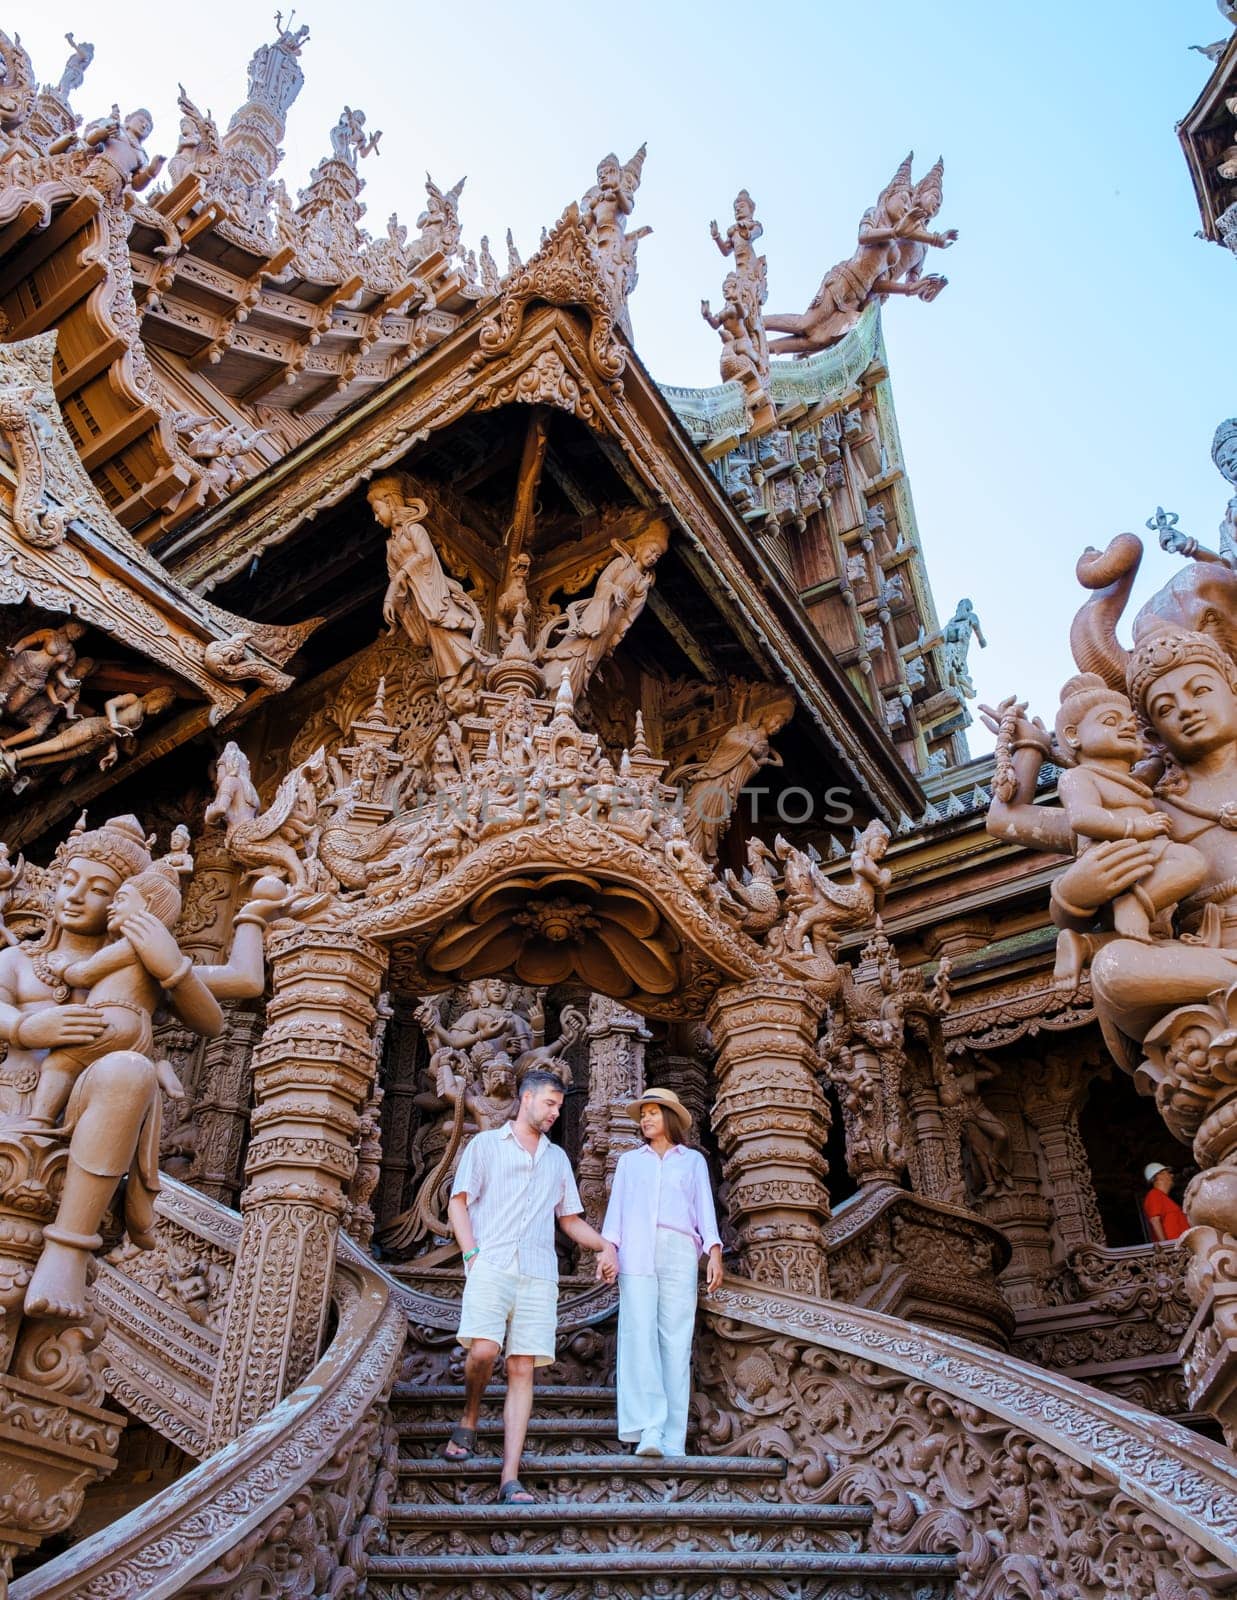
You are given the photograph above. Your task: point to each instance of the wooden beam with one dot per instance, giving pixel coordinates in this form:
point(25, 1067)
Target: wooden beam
point(53, 311)
point(46, 243)
point(105, 445)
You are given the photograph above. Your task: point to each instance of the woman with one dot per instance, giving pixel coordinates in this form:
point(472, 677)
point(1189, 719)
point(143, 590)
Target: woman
point(662, 1220)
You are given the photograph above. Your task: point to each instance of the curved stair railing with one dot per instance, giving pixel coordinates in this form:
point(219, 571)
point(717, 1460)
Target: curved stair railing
point(1046, 1488)
point(304, 1490)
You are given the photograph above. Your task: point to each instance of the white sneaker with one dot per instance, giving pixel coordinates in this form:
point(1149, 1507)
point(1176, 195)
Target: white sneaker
point(650, 1443)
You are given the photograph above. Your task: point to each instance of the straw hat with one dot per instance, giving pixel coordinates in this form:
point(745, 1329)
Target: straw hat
point(671, 1105)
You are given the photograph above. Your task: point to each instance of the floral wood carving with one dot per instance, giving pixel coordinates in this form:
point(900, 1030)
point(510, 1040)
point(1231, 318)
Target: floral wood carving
point(1057, 1496)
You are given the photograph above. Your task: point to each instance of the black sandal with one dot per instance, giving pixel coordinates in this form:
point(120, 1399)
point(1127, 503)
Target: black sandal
point(513, 1493)
point(466, 1441)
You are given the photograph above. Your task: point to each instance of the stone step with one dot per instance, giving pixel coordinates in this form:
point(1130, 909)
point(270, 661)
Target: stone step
point(689, 1574)
point(447, 1399)
point(546, 1435)
point(427, 1530)
point(575, 1479)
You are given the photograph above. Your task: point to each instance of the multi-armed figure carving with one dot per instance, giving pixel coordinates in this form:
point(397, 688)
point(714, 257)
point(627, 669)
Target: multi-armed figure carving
point(475, 1068)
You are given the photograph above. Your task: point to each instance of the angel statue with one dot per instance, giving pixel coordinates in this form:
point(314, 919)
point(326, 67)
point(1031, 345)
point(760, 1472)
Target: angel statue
point(572, 644)
point(711, 787)
point(894, 238)
point(440, 221)
point(96, 1080)
point(198, 150)
point(433, 609)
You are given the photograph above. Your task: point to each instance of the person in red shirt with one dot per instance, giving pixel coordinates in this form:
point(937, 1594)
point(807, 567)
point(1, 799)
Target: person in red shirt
point(1165, 1217)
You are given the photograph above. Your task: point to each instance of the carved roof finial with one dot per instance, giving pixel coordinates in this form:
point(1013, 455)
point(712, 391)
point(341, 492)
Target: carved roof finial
point(378, 711)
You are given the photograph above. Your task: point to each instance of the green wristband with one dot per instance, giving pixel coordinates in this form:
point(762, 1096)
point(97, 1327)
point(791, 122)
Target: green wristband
point(469, 1254)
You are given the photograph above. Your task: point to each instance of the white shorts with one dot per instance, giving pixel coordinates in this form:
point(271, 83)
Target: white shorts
point(519, 1314)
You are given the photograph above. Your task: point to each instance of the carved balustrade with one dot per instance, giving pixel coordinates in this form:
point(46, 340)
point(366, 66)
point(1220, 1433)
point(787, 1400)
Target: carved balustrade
point(312, 1076)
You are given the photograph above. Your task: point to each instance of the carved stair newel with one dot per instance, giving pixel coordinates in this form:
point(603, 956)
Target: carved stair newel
point(313, 1073)
point(771, 1120)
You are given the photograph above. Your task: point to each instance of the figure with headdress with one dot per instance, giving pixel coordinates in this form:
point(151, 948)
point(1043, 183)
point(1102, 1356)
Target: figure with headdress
point(711, 787)
point(604, 211)
point(440, 221)
point(349, 141)
point(198, 149)
point(749, 289)
point(572, 644)
point(884, 263)
point(433, 609)
point(75, 67)
point(120, 163)
point(112, 1112)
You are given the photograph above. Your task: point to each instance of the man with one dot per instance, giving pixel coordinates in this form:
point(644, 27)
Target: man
point(511, 1184)
point(1165, 1217)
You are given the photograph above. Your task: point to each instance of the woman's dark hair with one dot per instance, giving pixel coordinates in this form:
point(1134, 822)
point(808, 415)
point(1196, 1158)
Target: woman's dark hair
point(673, 1126)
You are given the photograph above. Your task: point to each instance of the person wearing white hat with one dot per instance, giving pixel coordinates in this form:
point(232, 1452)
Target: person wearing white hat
point(662, 1219)
point(1165, 1218)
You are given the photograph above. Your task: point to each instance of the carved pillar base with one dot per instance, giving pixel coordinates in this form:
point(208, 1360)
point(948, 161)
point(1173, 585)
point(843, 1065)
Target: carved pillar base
point(1193, 1068)
point(771, 1122)
point(52, 1448)
point(313, 1073)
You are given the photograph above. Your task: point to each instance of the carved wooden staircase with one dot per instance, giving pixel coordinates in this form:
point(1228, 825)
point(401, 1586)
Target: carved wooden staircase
point(846, 1455)
point(610, 1523)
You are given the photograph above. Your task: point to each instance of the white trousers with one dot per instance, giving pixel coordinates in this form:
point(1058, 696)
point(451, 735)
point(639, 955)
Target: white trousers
point(657, 1318)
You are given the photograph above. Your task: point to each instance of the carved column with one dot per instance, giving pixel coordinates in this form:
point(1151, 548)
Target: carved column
point(688, 1076)
point(771, 1120)
point(1052, 1094)
point(222, 1112)
point(312, 1075)
point(616, 1041)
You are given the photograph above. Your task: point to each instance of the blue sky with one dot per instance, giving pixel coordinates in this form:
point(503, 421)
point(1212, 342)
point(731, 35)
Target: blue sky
point(1067, 381)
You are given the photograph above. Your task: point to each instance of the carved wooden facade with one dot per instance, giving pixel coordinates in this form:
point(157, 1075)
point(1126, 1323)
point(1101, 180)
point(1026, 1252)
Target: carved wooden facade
point(473, 684)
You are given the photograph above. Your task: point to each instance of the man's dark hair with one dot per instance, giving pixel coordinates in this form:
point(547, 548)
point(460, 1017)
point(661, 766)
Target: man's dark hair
point(540, 1078)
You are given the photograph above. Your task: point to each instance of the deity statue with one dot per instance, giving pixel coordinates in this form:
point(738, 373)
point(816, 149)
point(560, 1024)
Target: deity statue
point(986, 1137)
point(75, 67)
point(711, 787)
point(120, 161)
point(572, 644)
point(433, 609)
point(198, 149)
point(745, 291)
point(96, 1054)
point(440, 221)
point(475, 1067)
point(123, 715)
point(741, 358)
point(349, 141)
point(893, 240)
point(956, 638)
point(604, 211)
point(40, 663)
